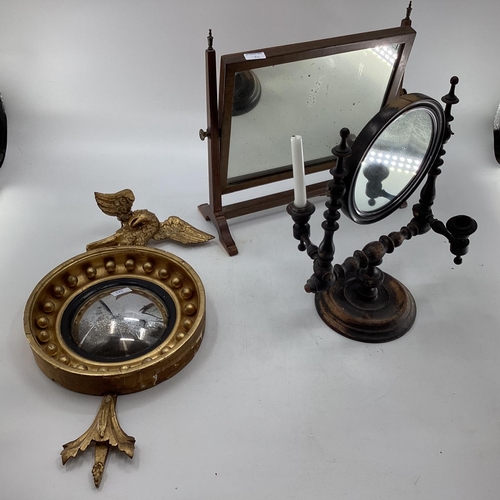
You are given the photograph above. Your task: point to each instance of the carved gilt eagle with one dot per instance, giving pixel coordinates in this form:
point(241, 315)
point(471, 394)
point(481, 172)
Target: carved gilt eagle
point(140, 226)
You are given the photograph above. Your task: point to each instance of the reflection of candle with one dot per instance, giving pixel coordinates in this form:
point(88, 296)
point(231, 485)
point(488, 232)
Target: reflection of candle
point(299, 177)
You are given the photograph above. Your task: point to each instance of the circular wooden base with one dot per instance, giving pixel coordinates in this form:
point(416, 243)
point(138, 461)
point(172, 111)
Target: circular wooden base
point(383, 319)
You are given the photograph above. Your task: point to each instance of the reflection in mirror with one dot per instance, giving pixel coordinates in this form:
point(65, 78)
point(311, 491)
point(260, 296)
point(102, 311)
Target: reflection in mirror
point(309, 98)
point(119, 322)
point(247, 90)
point(393, 160)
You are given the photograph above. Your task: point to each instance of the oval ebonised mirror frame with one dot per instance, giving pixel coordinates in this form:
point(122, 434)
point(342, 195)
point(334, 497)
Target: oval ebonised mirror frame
point(394, 150)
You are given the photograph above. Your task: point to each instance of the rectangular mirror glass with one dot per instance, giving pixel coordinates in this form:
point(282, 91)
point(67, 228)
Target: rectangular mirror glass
point(312, 98)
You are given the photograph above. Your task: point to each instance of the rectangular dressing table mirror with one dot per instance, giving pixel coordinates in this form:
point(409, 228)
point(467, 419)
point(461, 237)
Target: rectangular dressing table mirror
point(310, 89)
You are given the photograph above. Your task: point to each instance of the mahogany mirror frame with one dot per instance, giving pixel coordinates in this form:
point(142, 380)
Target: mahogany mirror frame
point(219, 115)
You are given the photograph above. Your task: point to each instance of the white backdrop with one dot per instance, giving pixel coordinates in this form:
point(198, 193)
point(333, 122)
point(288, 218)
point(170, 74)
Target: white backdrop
point(103, 95)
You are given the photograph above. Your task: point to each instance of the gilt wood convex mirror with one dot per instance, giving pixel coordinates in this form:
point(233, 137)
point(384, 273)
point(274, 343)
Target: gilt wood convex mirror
point(266, 95)
point(117, 319)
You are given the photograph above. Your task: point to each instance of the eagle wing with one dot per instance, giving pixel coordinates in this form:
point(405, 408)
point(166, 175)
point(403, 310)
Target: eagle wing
point(116, 204)
point(178, 230)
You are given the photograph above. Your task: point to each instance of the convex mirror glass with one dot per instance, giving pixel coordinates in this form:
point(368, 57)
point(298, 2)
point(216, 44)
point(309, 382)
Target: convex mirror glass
point(118, 322)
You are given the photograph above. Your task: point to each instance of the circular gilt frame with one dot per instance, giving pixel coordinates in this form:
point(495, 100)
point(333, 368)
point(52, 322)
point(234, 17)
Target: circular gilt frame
point(50, 298)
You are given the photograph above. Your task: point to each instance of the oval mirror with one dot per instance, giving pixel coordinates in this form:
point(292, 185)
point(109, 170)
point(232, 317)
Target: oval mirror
point(391, 156)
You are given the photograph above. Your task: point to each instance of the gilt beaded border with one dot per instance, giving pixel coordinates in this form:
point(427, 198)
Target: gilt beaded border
point(58, 288)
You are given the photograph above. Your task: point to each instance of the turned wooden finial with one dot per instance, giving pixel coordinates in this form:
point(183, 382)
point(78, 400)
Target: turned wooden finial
point(407, 21)
point(341, 150)
point(450, 98)
point(210, 39)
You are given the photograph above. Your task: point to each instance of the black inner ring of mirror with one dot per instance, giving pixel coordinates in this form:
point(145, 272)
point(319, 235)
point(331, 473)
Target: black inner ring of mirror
point(118, 320)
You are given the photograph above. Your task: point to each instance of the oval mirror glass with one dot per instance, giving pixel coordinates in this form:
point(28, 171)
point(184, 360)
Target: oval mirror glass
point(391, 156)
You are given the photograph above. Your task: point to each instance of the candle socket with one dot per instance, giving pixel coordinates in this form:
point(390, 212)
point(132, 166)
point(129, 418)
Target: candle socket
point(300, 217)
point(322, 255)
point(457, 230)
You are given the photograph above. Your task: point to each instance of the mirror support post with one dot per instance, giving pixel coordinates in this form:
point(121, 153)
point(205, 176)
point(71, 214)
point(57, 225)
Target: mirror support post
point(213, 211)
point(458, 229)
point(322, 255)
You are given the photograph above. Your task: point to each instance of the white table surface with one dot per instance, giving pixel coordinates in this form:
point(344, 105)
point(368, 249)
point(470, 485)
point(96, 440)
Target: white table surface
point(103, 95)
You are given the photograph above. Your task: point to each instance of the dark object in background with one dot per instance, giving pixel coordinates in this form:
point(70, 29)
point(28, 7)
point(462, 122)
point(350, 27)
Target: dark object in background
point(3, 131)
point(496, 135)
point(247, 92)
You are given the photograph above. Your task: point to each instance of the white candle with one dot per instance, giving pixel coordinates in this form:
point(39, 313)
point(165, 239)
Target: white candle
point(299, 177)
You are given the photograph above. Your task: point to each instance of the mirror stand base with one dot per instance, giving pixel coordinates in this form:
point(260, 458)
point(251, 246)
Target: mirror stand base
point(387, 317)
point(220, 222)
